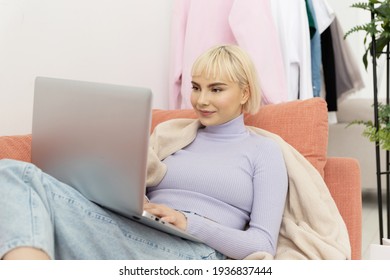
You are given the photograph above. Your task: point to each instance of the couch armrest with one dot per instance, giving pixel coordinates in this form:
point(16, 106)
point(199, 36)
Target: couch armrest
point(16, 147)
point(342, 176)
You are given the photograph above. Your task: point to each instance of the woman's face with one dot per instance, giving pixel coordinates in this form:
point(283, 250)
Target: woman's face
point(217, 101)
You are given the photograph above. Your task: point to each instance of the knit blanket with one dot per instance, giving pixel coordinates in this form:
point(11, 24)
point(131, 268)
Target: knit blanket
point(312, 227)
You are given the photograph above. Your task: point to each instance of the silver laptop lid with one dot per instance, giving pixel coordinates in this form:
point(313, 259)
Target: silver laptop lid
point(94, 137)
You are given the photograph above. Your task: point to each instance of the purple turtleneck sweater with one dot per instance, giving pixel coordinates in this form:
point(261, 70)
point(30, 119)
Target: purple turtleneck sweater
point(234, 183)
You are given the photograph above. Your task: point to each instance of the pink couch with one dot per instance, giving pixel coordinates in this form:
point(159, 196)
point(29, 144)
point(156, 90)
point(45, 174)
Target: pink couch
point(304, 125)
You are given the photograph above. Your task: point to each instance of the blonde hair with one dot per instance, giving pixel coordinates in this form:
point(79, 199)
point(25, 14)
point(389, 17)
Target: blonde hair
point(235, 63)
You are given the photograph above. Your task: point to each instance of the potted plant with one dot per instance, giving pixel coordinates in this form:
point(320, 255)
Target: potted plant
point(377, 37)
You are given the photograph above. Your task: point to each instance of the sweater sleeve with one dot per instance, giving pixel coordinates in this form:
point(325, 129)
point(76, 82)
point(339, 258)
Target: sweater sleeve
point(270, 185)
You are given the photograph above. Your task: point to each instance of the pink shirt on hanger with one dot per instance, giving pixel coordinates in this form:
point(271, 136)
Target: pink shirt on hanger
point(200, 24)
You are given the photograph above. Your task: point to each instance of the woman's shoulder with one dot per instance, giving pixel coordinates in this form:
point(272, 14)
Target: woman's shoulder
point(261, 136)
point(265, 134)
point(265, 140)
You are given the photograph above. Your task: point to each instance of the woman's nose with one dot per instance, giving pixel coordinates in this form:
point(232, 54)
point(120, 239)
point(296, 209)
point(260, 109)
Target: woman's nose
point(203, 98)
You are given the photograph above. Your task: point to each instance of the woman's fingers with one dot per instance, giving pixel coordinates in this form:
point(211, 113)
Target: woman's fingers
point(159, 210)
point(167, 214)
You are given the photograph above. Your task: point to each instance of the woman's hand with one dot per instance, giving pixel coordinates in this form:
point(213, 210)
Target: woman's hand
point(167, 214)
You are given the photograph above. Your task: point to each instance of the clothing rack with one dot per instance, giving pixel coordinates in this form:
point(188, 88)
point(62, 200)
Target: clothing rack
point(379, 171)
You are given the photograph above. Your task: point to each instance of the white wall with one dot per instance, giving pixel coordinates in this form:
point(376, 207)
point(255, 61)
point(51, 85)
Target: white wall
point(114, 41)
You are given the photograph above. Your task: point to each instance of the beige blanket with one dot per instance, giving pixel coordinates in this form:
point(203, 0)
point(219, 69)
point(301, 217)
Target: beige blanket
point(312, 227)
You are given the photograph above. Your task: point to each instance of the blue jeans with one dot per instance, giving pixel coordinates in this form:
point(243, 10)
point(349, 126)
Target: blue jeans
point(41, 212)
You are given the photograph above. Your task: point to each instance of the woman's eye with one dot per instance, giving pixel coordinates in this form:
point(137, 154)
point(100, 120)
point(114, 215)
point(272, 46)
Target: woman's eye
point(216, 90)
point(195, 88)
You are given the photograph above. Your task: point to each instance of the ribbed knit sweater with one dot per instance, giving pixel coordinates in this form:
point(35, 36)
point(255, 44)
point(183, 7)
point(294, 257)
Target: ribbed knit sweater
point(234, 184)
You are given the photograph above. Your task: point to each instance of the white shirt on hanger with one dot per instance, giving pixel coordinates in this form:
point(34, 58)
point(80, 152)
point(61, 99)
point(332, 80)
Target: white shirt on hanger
point(293, 27)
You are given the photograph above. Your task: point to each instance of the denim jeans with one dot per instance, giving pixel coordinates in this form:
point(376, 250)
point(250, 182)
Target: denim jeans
point(41, 212)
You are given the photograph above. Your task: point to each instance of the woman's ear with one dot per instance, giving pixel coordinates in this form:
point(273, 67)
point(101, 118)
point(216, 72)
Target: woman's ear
point(245, 95)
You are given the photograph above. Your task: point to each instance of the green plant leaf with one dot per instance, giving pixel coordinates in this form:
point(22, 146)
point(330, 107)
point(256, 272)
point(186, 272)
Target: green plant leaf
point(383, 10)
point(382, 134)
point(365, 61)
point(378, 27)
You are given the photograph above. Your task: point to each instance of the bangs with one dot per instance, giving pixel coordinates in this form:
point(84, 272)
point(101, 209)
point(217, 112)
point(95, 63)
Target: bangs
point(216, 65)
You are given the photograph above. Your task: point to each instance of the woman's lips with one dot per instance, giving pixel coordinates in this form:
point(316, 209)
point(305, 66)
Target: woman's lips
point(206, 113)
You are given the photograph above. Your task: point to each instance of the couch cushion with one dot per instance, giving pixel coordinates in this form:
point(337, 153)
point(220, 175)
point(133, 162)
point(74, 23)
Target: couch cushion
point(302, 123)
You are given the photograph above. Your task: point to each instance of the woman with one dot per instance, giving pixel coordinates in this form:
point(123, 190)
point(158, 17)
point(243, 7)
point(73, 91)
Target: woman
point(220, 182)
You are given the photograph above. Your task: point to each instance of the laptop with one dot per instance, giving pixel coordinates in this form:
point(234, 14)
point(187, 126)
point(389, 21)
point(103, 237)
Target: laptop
point(94, 137)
